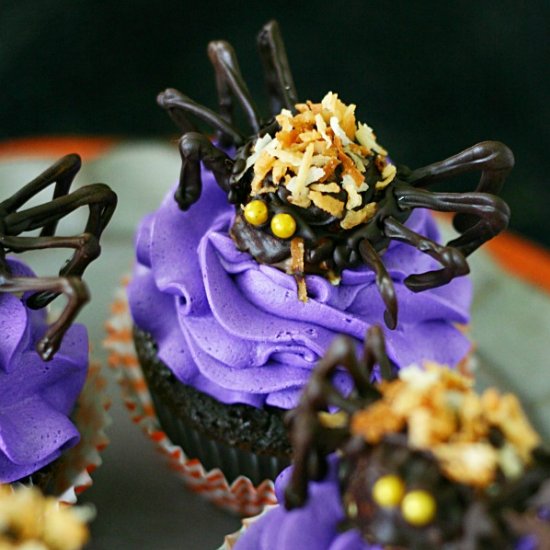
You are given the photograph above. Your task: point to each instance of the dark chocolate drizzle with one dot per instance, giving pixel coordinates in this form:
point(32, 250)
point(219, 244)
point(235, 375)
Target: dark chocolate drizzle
point(480, 215)
point(466, 518)
point(101, 202)
point(310, 440)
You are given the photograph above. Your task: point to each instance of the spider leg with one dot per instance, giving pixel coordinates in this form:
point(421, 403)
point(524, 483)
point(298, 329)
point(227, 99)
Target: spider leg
point(375, 353)
point(278, 77)
point(101, 202)
point(194, 148)
point(494, 160)
point(229, 80)
point(86, 248)
point(178, 105)
point(487, 214)
point(98, 196)
point(77, 295)
point(451, 258)
point(383, 281)
point(308, 435)
point(306, 428)
point(62, 173)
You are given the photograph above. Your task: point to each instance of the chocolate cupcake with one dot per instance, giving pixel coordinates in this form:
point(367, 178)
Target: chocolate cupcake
point(43, 366)
point(423, 462)
point(269, 246)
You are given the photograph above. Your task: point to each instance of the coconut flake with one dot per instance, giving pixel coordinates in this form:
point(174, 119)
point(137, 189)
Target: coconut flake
point(258, 147)
point(365, 136)
point(322, 127)
point(320, 160)
point(388, 175)
point(331, 187)
point(354, 198)
point(357, 159)
point(327, 203)
point(338, 131)
point(287, 157)
point(299, 183)
point(356, 217)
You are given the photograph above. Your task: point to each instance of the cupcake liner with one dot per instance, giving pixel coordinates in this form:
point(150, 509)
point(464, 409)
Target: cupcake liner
point(242, 496)
point(75, 467)
point(232, 461)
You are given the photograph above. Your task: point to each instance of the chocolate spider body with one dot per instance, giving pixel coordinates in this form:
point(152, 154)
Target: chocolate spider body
point(403, 495)
point(101, 202)
point(320, 242)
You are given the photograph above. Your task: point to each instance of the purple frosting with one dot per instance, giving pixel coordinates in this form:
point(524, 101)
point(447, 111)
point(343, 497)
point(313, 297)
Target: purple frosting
point(314, 526)
point(235, 329)
point(36, 397)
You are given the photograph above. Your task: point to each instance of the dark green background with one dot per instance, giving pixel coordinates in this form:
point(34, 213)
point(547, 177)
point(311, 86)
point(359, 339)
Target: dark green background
point(431, 77)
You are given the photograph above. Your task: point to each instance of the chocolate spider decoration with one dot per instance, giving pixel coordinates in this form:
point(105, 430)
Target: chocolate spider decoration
point(406, 495)
point(13, 221)
point(314, 215)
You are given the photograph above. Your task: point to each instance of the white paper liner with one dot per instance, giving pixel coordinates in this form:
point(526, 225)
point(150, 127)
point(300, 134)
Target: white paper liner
point(75, 467)
point(240, 497)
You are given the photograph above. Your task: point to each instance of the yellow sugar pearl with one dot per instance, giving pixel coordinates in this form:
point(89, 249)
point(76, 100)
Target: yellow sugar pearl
point(388, 491)
point(418, 508)
point(255, 212)
point(283, 226)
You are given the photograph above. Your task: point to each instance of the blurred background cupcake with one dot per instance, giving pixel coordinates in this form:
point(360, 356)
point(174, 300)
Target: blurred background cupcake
point(53, 404)
point(421, 461)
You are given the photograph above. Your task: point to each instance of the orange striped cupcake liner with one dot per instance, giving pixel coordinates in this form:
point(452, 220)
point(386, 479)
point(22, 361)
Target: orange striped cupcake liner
point(91, 417)
point(240, 497)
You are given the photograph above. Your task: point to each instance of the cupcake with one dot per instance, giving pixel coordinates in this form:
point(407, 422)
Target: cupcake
point(270, 246)
point(43, 365)
point(28, 520)
point(423, 462)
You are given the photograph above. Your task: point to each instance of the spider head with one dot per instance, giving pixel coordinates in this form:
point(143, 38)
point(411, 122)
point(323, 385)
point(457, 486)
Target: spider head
point(396, 495)
point(316, 175)
point(401, 496)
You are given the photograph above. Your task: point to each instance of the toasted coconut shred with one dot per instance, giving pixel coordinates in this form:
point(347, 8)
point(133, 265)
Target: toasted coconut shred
point(443, 415)
point(320, 155)
point(306, 152)
point(297, 266)
point(31, 521)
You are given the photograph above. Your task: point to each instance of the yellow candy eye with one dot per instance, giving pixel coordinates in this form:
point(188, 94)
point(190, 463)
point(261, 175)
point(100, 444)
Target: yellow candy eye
point(388, 491)
point(255, 212)
point(283, 226)
point(418, 508)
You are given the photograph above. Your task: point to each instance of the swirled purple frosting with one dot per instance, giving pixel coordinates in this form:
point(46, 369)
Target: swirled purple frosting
point(236, 330)
point(36, 397)
point(315, 525)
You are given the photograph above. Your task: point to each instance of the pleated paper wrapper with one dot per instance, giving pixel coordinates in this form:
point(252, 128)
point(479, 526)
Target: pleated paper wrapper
point(240, 497)
point(74, 469)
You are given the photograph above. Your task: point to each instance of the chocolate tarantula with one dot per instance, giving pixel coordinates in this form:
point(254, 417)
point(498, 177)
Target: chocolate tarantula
point(305, 231)
point(13, 221)
point(396, 494)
